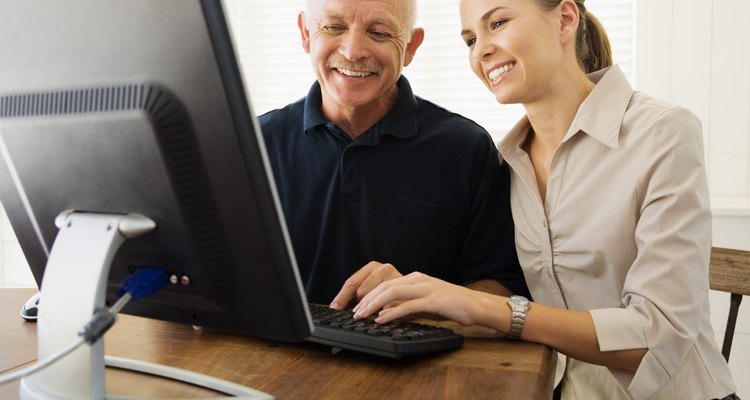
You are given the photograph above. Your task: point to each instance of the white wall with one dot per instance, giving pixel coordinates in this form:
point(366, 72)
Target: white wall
point(694, 53)
point(14, 271)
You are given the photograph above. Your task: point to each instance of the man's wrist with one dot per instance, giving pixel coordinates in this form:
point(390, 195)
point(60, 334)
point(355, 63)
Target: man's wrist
point(490, 286)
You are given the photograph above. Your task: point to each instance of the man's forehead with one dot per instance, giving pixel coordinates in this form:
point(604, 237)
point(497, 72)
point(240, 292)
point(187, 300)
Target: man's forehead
point(382, 10)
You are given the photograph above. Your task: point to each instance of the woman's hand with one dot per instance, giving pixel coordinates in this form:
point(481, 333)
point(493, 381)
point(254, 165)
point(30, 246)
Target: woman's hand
point(420, 295)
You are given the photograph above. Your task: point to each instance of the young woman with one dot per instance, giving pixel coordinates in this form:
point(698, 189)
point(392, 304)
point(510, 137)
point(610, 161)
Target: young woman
point(610, 204)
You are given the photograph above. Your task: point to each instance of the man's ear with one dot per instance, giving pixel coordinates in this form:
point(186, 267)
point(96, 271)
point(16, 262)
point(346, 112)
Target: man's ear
point(417, 36)
point(304, 32)
point(569, 17)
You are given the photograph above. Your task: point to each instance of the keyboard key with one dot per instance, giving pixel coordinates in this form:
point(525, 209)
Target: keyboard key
point(339, 329)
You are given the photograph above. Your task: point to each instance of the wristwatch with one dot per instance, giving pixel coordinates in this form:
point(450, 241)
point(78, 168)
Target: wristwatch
point(519, 306)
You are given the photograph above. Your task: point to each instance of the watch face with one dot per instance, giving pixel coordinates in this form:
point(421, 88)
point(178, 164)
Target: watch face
point(520, 300)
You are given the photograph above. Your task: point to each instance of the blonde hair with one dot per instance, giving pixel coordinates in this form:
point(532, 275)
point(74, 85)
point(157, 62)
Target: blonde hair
point(592, 44)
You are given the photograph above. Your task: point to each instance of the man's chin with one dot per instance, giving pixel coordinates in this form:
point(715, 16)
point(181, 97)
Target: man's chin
point(355, 97)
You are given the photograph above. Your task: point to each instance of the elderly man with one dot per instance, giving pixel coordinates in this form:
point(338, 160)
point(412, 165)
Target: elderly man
point(372, 176)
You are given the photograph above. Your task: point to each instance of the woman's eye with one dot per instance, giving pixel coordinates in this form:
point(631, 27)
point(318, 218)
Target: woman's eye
point(498, 23)
point(470, 41)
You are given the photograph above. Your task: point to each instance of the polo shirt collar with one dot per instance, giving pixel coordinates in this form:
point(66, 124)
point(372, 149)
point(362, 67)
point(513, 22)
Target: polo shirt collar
point(599, 116)
point(400, 121)
point(313, 114)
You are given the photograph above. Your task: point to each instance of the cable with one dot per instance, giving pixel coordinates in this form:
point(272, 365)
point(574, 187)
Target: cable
point(120, 303)
point(42, 364)
point(143, 282)
point(188, 377)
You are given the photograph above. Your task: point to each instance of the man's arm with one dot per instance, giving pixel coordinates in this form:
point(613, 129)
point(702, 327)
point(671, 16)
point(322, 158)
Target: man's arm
point(488, 248)
point(490, 286)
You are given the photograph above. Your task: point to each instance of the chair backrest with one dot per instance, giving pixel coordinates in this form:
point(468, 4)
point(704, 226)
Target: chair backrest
point(729, 271)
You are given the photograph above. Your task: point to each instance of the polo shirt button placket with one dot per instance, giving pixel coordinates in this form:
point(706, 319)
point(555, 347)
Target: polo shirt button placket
point(349, 180)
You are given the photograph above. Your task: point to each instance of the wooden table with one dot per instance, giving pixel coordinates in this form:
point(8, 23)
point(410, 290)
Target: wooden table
point(485, 367)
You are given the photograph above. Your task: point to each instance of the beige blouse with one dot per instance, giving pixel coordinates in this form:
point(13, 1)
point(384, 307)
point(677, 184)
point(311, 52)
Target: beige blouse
point(624, 232)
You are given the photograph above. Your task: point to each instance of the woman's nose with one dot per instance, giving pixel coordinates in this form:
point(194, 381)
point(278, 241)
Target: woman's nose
point(483, 49)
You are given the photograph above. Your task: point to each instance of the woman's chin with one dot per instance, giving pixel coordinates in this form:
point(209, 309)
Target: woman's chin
point(506, 98)
point(503, 100)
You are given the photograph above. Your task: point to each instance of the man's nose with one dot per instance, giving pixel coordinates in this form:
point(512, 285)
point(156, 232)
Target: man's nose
point(354, 46)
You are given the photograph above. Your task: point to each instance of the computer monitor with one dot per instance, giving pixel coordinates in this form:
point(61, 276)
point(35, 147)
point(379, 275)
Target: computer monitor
point(125, 109)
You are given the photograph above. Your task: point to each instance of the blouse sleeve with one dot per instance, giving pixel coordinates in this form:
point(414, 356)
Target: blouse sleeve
point(666, 288)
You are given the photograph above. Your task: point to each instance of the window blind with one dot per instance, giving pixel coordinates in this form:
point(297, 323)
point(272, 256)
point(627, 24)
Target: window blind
point(278, 72)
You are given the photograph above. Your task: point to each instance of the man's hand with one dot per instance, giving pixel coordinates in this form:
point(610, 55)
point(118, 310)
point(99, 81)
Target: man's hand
point(490, 286)
point(362, 282)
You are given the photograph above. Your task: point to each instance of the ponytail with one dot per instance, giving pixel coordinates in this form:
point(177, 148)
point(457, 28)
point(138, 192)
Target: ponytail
point(592, 44)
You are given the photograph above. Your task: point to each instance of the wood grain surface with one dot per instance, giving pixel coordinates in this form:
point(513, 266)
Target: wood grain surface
point(485, 367)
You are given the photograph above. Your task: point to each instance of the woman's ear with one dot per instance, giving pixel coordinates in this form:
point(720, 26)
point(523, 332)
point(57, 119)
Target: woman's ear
point(569, 17)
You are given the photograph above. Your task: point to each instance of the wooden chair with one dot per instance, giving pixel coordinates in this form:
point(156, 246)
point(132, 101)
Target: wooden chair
point(729, 271)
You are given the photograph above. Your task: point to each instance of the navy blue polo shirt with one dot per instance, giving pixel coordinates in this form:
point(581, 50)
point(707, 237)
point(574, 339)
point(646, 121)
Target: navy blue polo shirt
point(422, 189)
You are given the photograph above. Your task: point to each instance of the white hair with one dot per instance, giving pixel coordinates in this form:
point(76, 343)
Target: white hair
point(411, 12)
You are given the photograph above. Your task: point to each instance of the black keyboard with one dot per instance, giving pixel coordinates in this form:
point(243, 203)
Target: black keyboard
point(339, 329)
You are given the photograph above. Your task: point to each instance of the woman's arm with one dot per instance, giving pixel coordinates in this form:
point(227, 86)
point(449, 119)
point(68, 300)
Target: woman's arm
point(567, 331)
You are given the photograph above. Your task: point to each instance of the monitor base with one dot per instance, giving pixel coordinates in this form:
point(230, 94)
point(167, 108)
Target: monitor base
point(73, 289)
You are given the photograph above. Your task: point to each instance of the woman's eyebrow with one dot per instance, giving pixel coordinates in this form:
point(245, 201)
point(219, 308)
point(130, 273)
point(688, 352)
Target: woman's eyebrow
point(485, 17)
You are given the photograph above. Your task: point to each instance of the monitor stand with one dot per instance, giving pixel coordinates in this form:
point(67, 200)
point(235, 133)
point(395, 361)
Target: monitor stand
point(73, 288)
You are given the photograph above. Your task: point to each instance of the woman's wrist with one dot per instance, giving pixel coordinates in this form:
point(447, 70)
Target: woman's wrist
point(492, 311)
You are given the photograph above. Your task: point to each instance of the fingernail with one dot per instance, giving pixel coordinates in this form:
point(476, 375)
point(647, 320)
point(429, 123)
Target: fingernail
point(379, 317)
point(333, 304)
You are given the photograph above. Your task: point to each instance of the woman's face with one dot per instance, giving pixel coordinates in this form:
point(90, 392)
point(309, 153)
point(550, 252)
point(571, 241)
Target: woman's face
point(514, 46)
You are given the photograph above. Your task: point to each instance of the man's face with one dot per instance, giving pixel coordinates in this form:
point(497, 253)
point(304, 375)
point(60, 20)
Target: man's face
point(358, 49)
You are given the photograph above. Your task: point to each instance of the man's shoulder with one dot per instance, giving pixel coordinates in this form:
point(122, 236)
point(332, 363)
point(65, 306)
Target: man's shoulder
point(434, 119)
point(290, 114)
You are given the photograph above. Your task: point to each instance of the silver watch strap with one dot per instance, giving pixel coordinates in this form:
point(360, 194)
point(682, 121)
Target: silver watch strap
point(517, 320)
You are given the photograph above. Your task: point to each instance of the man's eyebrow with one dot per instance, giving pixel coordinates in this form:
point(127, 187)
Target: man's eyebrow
point(330, 17)
point(485, 17)
point(386, 22)
point(377, 21)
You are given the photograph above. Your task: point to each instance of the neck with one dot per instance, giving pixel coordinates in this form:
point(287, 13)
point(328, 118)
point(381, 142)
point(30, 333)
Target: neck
point(552, 115)
point(356, 120)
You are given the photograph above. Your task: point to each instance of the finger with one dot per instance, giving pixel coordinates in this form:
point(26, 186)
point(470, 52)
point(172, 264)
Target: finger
point(349, 288)
point(371, 282)
point(403, 310)
point(412, 278)
point(378, 275)
point(392, 294)
point(374, 293)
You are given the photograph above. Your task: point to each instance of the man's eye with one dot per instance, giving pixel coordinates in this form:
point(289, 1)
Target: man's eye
point(379, 35)
point(334, 28)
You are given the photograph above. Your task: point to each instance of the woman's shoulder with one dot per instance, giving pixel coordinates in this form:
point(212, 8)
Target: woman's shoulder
point(658, 124)
point(653, 110)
